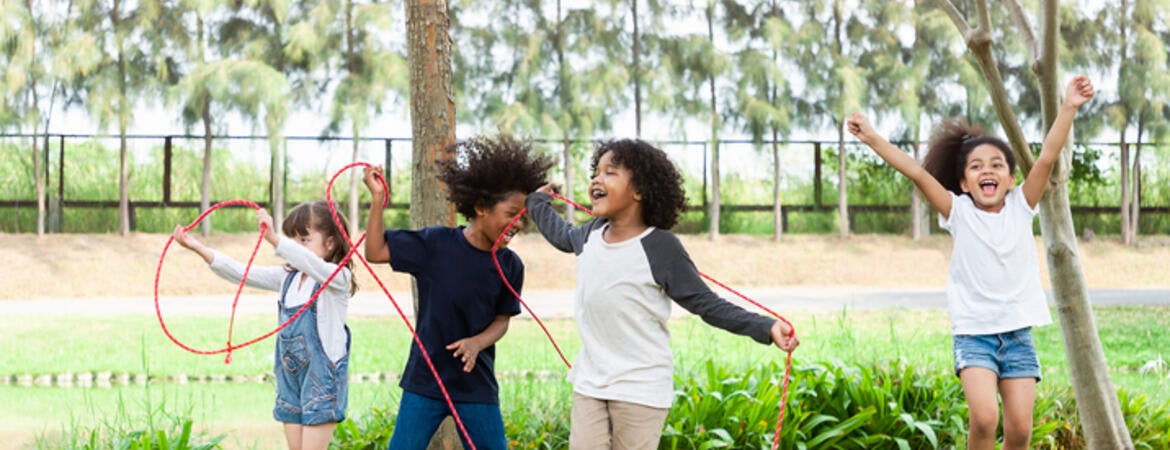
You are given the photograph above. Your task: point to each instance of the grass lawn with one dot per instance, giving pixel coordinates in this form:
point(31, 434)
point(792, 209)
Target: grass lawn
point(528, 366)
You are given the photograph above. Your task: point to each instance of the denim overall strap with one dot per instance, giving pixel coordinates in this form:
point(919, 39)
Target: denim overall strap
point(310, 388)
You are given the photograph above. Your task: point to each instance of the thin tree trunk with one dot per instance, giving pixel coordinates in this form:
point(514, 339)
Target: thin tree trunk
point(637, 68)
point(567, 156)
point(1097, 404)
point(1126, 233)
point(713, 231)
point(354, 175)
point(916, 209)
point(432, 109)
point(842, 195)
point(563, 91)
point(354, 178)
point(205, 184)
point(1135, 201)
point(1099, 411)
point(38, 177)
point(777, 198)
point(123, 116)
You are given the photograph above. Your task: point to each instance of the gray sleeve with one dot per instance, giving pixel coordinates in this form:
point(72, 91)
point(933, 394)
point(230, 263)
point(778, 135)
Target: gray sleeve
point(673, 269)
point(556, 230)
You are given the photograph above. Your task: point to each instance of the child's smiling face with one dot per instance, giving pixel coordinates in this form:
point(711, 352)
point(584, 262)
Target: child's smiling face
point(987, 177)
point(612, 190)
point(490, 222)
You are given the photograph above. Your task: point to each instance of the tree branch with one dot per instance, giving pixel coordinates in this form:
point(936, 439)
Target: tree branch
point(983, 15)
point(1027, 33)
point(956, 17)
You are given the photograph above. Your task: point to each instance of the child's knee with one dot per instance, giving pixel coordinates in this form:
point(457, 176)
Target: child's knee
point(983, 423)
point(1016, 437)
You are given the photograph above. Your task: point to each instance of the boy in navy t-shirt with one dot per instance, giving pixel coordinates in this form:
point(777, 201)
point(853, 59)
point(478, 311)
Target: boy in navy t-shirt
point(463, 306)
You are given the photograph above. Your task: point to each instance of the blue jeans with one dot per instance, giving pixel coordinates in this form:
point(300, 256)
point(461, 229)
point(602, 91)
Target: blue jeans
point(419, 417)
point(1010, 355)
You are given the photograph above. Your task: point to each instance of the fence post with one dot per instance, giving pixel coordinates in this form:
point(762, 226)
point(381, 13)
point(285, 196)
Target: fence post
point(167, 171)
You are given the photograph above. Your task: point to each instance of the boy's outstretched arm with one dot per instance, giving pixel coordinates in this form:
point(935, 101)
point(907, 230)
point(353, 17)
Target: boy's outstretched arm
point(376, 249)
point(938, 196)
point(1079, 91)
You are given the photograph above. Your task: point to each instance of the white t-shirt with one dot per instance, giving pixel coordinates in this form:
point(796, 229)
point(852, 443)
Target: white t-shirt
point(332, 304)
point(994, 282)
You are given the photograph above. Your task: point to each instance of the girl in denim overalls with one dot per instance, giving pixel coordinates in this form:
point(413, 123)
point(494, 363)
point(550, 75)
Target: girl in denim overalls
point(312, 353)
point(993, 288)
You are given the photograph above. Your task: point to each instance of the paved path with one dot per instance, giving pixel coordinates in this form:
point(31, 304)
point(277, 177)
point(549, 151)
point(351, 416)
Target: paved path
point(551, 303)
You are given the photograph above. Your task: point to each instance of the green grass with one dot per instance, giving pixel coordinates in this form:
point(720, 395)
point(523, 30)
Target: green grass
point(1131, 336)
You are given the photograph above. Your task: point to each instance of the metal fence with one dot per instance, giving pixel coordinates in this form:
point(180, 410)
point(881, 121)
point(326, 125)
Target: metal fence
point(164, 174)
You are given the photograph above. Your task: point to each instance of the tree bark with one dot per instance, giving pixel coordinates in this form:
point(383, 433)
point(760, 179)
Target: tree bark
point(916, 210)
point(432, 113)
point(1100, 413)
point(432, 108)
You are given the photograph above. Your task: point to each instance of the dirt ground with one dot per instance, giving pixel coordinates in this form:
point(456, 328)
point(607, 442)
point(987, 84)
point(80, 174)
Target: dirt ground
point(77, 266)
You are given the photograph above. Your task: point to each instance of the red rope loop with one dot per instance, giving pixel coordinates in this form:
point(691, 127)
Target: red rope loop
point(352, 252)
point(788, 358)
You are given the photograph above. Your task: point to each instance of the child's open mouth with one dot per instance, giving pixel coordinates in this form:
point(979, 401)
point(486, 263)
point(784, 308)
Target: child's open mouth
point(596, 194)
point(988, 187)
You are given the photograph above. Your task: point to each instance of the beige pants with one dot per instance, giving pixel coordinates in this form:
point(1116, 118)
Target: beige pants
point(611, 424)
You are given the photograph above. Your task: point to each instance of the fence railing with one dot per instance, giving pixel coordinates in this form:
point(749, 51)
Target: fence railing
point(743, 163)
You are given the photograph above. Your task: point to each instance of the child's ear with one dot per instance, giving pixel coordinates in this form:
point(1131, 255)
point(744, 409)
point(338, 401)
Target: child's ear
point(481, 210)
point(637, 196)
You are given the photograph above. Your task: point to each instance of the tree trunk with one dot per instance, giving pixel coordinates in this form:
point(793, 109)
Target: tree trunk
point(123, 117)
point(637, 72)
point(38, 178)
point(1126, 233)
point(713, 231)
point(1135, 201)
point(916, 210)
point(355, 177)
point(205, 185)
point(777, 198)
point(432, 109)
point(567, 156)
point(1100, 413)
point(842, 196)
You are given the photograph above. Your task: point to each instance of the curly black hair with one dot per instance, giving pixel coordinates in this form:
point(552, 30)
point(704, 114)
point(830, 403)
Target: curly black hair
point(485, 170)
point(654, 176)
point(951, 143)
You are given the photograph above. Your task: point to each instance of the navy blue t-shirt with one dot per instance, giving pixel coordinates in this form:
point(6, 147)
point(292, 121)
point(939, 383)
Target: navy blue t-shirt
point(460, 294)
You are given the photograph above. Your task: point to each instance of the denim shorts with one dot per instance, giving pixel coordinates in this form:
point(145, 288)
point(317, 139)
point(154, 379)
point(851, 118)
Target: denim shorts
point(1010, 355)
